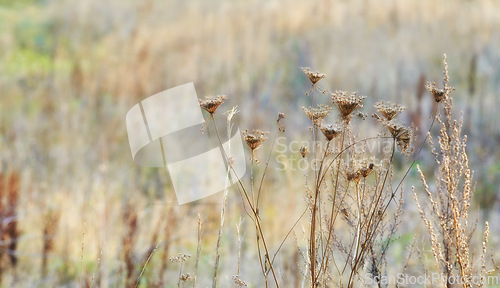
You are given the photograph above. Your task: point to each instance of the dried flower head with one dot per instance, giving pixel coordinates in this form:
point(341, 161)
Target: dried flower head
point(313, 76)
point(330, 131)
point(317, 114)
point(354, 176)
point(210, 104)
point(365, 171)
point(401, 133)
point(345, 212)
point(281, 126)
point(347, 103)
point(438, 93)
point(303, 151)
point(180, 258)
point(185, 277)
point(389, 111)
point(255, 138)
point(238, 282)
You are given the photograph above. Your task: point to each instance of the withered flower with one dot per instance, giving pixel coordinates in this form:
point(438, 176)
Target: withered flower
point(317, 114)
point(347, 103)
point(303, 151)
point(254, 139)
point(313, 76)
point(401, 133)
point(389, 111)
point(210, 104)
point(438, 93)
point(330, 131)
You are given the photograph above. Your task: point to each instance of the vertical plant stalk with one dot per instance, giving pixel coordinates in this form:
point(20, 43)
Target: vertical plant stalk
point(254, 215)
point(198, 250)
point(224, 202)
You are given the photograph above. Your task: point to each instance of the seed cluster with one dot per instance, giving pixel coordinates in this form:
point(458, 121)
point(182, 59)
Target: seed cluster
point(347, 103)
point(255, 138)
point(313, 75)
point(389, 111)
point(402, 135)
point(210, 104)
point(330, 131)
point(317, 114)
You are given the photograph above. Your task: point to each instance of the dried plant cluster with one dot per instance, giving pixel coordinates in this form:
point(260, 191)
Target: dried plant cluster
point(445, 211)
point(346, 180)
point(351, 182)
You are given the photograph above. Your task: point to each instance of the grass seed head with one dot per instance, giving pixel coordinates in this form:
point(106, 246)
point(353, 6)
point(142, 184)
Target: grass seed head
point(210, 104)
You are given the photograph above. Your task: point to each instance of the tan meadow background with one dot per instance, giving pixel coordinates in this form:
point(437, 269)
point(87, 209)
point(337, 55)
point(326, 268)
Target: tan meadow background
point(75, 209)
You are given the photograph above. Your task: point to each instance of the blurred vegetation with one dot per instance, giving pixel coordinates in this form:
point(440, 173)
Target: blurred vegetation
point(70, 70)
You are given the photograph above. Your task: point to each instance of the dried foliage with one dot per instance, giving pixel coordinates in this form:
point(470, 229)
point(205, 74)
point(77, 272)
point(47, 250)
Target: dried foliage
point(448, 201)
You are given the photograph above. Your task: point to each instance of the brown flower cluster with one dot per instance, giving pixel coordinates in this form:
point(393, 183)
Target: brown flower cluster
point(347, 103)
point(330, 131)
point(210, 104)
point(317, 114)
point(313, 75)
point(255, 138)
point(402, 134)
point(389, 111)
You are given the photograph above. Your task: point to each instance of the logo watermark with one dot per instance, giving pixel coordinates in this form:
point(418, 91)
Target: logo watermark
point(164, 130)
point(431, 279)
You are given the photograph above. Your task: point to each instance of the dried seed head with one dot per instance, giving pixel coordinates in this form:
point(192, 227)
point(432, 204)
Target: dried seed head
point(365, 171)
point(210, 104)
point(255, 138)
point(402, 135)
point(239, 282)
point(313, 76)
point(436, 92)
point(389, 111)
point(281, 115)
point(180, 258)
point(303, 151)
point(317, 114)
point(185, 277)
point(354, 176)
point(345, 212)
point(281, 126)
point(330, 131)
point(347, 103)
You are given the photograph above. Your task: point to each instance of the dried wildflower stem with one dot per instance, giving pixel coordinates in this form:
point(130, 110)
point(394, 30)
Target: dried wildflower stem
point(198, 250)
point(265, 170)
point(223, 211)
point(312, 240)
point(393, 194)
point(145, 265)
point(359, 257)
point(254, 215)
point(325, 257)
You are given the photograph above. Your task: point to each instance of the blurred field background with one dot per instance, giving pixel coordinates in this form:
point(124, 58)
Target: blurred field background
point(70, 70)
